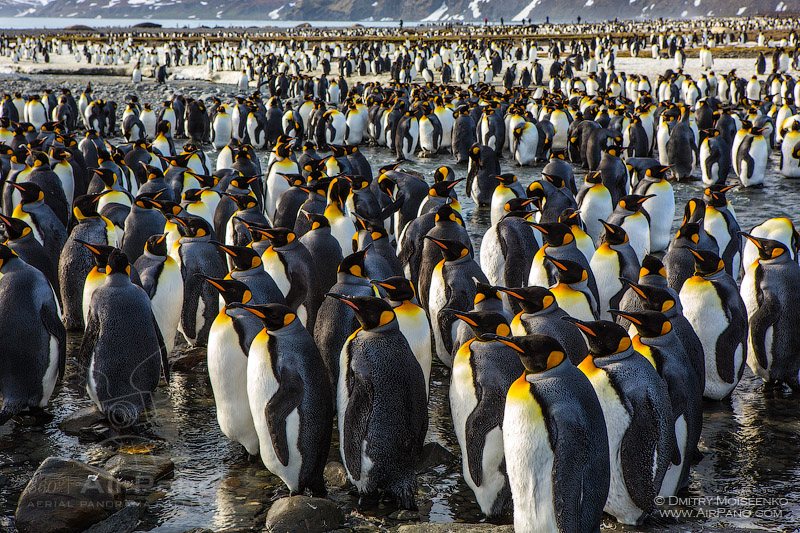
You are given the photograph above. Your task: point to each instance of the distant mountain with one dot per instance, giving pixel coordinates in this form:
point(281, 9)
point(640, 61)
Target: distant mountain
point(385, 10)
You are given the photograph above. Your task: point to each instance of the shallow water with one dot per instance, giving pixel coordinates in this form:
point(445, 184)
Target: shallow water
point(750, 443)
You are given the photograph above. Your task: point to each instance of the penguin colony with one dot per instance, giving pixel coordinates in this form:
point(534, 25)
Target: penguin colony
point(582, 338)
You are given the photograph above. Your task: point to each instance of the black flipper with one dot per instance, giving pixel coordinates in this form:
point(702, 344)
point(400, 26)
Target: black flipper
point(52, 323)
point(356, 419)
point(763, 318)
point(479, 423)
point(162, 348)
point(279, 407)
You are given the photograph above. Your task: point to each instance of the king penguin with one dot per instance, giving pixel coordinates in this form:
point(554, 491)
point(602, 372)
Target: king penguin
point(711, 303)
point(229, 342)
point(124, 358)
point(289, 399)
point(483, 370)
point(638, 416)
point(553, 430)
point(379, 378)
point(412, 319)
point(33, 338)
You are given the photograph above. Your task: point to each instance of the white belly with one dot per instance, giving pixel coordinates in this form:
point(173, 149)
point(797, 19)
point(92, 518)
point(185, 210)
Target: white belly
point(669, 487)
point(227, 371)
point(605, 265)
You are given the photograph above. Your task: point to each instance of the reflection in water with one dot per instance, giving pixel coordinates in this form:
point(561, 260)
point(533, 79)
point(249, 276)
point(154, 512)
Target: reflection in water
point(750, 444)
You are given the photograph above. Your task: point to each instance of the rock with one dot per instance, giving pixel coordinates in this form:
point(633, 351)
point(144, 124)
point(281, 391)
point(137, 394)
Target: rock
point(123, 521)
point(81, 419)
point(433, 455)
point(453, 528)
point(405, 515)
point(66, 495)
point(140, 469)
point(302, 514)
point(186, 361)
point(335, 475)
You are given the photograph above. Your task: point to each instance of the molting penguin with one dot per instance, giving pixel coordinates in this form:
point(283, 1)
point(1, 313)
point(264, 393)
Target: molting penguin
point(483, 371)
point(379, 378)
point(33, 338)
point(553, 397)
point(289, 399)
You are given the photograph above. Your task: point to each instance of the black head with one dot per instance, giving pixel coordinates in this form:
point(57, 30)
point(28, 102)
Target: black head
point(603, 337)
point(243, 258)
point(353, 264)
point(706, 262)
point(507, 179)
point(231, 290)
point(688, 234)
point(85, 206)
point(107, 176)
point(452, 250)
point(100, 252)
point(6, 255)
point(649, 324)
point(613, 234)
point(118, 263)
point(652, 266)
point(194, 227)
point(318, 221)
point(654, 298)
point(658, 171)
point(634, 202)
point(443, 173)
point(537, 352)
point(555, 233)
point(29, 191)
point(14, 228)
point(277, 236)
point(568, 271)
point(446, 212)
point(694, 210)
point(532, 299)
point(767, 248)
point(274, 316)
point(371, 312)
point(397, 288)
point(156, 245)
point(483, 322)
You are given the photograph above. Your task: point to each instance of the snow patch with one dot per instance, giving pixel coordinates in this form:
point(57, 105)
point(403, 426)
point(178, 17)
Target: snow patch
point(589, 3)
point(436, 15)
point(697, 3)
point(684, 13)
point(275, 13)
point(741, 11)
point(526, 11)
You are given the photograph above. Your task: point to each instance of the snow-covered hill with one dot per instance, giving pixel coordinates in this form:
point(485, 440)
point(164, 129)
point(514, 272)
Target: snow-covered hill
point(376, 10)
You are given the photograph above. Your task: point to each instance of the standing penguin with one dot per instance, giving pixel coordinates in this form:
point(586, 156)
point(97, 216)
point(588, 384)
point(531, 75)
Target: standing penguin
point(452, 287)
point(483, 370)
point(289, 398)
point(553, 430)
point(33, 338)
point(659, 205)
point(657, 342)
point(751, 157)
point(482, 169)
point(292, 267)
point(195, 254)
point(325, 251)
point(124, 358)
point(336, 321)
point(614, 258)
point(162, 280)
point(380, 378)
point(412, 319)
point(638, 416)
point(768, 294)
point(229, 342)
point(712, 305)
